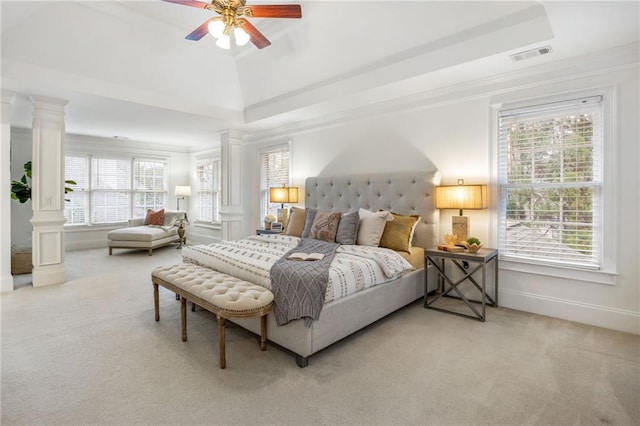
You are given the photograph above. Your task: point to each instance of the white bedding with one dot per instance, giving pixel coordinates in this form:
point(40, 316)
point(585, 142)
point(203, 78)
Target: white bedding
point(353, 268)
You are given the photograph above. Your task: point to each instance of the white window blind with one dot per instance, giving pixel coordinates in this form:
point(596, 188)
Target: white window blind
point(209, 190)
point(76, 168)
point(550, 183)
point(112, 190)
point(274, 171)
point(149, 186)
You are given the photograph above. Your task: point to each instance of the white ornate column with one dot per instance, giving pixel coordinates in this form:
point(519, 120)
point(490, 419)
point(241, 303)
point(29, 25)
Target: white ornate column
point(6, 279)
point(47, 191)
point(231, 210)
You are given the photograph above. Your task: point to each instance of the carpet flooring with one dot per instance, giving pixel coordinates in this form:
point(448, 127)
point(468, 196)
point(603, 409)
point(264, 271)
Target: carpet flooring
point(89, 352)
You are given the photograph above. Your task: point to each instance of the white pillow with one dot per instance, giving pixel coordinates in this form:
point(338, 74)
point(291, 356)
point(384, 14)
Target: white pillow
point(372, 226)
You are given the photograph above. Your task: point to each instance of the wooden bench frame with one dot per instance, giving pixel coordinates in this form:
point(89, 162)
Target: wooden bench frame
point(220, 313)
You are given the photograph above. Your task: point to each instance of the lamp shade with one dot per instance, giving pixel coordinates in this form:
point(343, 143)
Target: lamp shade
point(461, 197)
point(283, 194)
point(183, 191)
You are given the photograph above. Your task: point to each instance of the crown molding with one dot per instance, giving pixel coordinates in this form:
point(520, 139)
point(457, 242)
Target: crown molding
point(607, 61)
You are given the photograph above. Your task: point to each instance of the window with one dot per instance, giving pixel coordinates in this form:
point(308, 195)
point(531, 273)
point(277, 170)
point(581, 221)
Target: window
point(550, 183)
point(148, 186)
point(274, 171)
point(77, 169)
point(112, 190)
point(209, 189)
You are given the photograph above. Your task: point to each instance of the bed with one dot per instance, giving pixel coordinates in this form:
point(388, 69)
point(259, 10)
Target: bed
point(404, 193)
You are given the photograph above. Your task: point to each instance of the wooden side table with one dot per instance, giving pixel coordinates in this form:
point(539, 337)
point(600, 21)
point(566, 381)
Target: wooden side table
point(446, 285)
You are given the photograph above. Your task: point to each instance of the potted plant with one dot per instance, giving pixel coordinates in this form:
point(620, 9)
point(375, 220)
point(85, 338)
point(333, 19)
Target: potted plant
point(268, 219)
point(21, 189)
point(472, 244)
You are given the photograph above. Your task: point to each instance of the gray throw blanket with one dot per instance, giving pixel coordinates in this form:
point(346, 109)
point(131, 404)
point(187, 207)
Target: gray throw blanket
point(299, 286)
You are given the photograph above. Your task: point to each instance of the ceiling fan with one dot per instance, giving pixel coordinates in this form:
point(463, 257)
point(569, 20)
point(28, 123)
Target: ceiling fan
point(232, 22)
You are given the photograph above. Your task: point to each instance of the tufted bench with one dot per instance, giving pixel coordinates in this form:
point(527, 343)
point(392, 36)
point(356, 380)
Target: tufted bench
point(221, 294)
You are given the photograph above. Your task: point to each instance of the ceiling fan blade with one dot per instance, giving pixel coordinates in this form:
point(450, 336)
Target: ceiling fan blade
point(275, 11)
point(257, 37)
point(199, 32)
point(191, 3)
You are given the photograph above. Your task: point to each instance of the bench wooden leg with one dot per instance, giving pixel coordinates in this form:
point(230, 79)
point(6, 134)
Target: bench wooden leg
point(183, 317)
point(150, 252)
point(223, 360)
point(156, 301)
point(263, 332)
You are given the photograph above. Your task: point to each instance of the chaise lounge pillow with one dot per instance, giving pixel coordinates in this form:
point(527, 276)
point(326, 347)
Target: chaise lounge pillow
point(372, 226)
point(154, 218)
point(398, 233)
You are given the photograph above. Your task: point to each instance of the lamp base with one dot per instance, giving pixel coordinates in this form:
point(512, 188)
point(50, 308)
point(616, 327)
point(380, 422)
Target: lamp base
point(282, 215)
point(460, 227)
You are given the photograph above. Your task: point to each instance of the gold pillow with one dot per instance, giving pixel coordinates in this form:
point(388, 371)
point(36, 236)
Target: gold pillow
point(296, 222)
point(398, 233)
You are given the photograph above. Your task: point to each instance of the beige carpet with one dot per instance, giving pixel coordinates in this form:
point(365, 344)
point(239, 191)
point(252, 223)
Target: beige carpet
point(90, 352)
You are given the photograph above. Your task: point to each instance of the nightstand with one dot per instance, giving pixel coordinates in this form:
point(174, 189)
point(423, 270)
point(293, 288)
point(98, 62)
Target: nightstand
point(467, 264)
point(268, 231)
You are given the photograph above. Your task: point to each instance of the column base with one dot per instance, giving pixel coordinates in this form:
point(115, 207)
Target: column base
point(48, 275)
point(6, 284)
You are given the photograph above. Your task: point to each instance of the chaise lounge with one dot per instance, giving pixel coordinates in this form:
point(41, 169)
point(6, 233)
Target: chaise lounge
point(158, 229)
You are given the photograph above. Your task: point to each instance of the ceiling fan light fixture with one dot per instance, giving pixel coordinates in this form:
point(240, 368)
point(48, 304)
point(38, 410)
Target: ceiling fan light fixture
point(224, 42)
point(216, 28)
point(241, 36)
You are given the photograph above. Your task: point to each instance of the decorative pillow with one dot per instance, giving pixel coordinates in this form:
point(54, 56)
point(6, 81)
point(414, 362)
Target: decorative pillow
point(295, 226)
point(372, 226)
point(348, 228)
point(325, 226)
point(154, 218)
point(398, 234)
point(310, 215)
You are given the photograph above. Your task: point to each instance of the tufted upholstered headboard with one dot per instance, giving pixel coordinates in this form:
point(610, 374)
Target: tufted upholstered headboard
point(403, 193)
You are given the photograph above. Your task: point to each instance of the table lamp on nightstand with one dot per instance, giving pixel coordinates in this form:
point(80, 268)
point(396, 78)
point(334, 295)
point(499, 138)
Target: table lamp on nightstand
point(461, 197)
point(283, 194)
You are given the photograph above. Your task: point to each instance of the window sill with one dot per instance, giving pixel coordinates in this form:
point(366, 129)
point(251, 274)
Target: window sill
point(599, 277)
point(207, 225)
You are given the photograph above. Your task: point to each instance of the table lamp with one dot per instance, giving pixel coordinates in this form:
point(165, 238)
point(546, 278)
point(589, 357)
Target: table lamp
point(461, 197)
point(283, 194)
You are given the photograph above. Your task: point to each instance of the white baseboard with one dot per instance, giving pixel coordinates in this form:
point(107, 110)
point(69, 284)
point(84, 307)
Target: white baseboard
point(6, 283)
point(586, 313)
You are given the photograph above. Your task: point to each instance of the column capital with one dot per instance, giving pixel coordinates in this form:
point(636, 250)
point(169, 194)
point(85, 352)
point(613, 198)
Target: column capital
point(228, 136)
point(42, 104)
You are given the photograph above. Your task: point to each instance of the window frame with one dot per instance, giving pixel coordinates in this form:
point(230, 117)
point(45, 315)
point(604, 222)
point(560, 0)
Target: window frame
point(131, 190)
point(215, 194)
point(608, 269)
point(264, 192)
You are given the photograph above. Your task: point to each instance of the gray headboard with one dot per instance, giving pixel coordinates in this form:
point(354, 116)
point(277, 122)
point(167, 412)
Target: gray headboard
point(403, 193)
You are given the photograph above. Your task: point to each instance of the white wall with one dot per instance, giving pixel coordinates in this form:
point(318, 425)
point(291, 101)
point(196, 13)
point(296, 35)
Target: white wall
point(454, 135)
point(81, 237)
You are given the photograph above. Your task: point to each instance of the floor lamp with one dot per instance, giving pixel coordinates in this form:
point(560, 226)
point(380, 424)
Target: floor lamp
point(181, 192)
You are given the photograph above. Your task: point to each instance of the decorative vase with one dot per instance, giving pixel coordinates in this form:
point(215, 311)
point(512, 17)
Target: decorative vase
point(267, 225)
point(472, 248)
